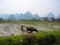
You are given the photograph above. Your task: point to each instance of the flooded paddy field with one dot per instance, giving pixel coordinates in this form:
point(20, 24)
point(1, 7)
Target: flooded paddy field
point(7, 29)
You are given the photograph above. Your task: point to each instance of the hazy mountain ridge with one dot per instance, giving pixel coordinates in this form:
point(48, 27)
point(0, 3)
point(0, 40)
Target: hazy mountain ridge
point(4, 16)
point(50, 15)
point(22, 16)
point(28, 16)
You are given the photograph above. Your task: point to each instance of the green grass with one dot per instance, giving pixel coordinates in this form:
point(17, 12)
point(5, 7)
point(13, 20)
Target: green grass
point(42, 33)
point(30, 22)
point(15, 40)
point(10, 40)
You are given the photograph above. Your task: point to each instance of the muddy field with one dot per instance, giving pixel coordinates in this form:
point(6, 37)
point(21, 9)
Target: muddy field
point(7, 29)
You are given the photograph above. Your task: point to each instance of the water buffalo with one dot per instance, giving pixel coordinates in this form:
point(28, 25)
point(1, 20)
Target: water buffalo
point(31, 29)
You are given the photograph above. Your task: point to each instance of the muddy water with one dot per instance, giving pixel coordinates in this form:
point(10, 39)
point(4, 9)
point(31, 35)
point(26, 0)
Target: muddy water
point(8, 29)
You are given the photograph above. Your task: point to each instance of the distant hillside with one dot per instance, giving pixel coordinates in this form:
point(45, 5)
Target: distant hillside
point(37, 17)
point(19, 16)
point(50, 15)
point(26, 16)
point(58, 16)
point(4, 16)
point(11, 17)
point(1, 19)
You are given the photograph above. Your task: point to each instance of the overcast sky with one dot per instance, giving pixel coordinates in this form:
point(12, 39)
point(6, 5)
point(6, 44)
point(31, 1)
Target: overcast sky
point(41, 7)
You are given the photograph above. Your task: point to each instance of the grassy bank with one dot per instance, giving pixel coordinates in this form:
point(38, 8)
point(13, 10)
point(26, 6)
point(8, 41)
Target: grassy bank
point(30, 22)
point(40, 38)
point(10, 40)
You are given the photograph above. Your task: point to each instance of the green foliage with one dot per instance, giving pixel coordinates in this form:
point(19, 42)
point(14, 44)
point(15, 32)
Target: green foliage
point(50, 37)
point(40, 38)
point(29, 40)
point(10, 40)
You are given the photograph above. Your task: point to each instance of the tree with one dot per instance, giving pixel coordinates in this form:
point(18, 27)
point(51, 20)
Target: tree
point(46, 19)
point(1, 19)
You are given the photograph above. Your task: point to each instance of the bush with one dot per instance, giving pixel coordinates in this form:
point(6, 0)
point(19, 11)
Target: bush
point(29, 40)
point(33, 40)
point(47, 40)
